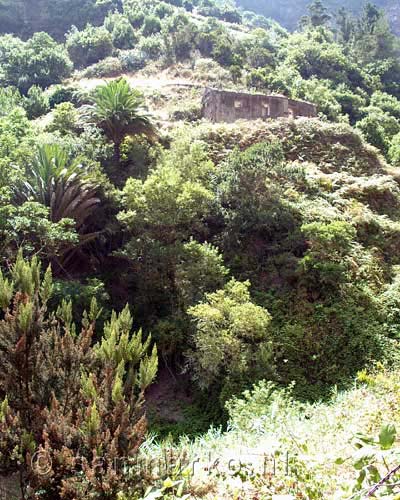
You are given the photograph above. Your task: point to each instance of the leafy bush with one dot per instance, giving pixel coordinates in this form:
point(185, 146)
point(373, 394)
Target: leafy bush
point(38, 61)
point(259, 406)
point(163, 10)
point(232, 343)
point(378, 128)
point(65, 119)
point(108, 67)
point(132, 60)
point(329, 245)
point(391, 304)
point(123, 35)
point(352, 103)
point(387, 103)
point(312, 56)
point(36, 103)
point(180, 37)
point(152, 47)
point(61, 93)
point(320, 93)
point(151, 26)
point(200, 271)
point(10, 98)
point(138, 156)
point(190, 114)
point(17, 146)
point(88, 46)
point(223, 52)
point(29, 227)
point(394, 150)
point(81, 294)
point(135, 12)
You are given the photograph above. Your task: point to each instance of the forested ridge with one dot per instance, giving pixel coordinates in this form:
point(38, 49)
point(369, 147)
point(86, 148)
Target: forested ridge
point(163, 277)
point(288, 12)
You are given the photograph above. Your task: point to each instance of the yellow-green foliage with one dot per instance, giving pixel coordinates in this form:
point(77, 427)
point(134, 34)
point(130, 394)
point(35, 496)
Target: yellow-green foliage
point(232, 341)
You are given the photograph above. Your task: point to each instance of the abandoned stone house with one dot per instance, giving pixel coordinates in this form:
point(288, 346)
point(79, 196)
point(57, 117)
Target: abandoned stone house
point(228, 106)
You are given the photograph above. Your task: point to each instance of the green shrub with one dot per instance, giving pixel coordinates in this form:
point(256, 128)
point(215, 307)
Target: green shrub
point(36, 103)
point(223, 52)
point(152, 47)
point(351, 103)
point(322, 95)
point(81, 294)
point(61, 93)
point(180, 37)
point(122, 33)
point(325, 264)
point(111, 66)
point(88, 46)
point(29, 227)
point(138, 155)
point(191, 114)
point(394, 150)
point(38, 61)
point(232, 341)
point(151, 25)
point(391, 304)
point(134, 11)
point(387, 103)
point(65, 119)
point(10, 98)
point(163, 10)
point(264, 399)
point(314, 56)
point(132, 60)
point(378, 128)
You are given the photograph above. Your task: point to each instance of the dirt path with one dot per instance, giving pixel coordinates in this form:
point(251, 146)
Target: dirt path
point(139, 81)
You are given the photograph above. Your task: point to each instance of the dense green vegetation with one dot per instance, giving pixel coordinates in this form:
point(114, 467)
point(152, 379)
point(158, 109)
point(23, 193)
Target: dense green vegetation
point(257, 256)
point(288, 12)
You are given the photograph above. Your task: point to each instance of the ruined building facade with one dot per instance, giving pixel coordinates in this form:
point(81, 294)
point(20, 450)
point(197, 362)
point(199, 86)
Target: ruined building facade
point(227, 106)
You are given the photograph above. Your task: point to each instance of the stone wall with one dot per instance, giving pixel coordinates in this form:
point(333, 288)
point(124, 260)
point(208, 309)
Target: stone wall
point(227, 106)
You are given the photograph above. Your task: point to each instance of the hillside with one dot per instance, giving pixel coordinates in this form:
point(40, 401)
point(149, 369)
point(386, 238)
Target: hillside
point(181, 287)
point(288, 12)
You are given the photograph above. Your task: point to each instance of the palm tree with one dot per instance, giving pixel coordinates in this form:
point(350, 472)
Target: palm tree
point(119, 111)
point(61, 184)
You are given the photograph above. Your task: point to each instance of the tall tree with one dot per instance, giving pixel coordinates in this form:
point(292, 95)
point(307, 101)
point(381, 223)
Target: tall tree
point(345, 25)
point(119, 111)
point(374, 41)
point(318, 15)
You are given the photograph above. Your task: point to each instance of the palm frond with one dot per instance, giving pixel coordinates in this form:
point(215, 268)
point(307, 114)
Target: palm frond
point(61, 184)
point(118, 110)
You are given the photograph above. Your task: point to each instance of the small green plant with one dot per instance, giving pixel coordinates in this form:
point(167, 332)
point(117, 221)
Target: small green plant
point(377, 462)
point(173, 487)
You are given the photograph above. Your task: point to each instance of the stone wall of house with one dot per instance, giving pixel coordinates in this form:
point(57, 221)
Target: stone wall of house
point(227, 106)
